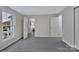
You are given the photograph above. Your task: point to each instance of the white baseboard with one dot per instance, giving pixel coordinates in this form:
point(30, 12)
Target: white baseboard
point(68, 43)
point(9, 42)
point(76, 47)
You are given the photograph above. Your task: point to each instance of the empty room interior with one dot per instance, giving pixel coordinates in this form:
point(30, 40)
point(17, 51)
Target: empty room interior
point(39, 28)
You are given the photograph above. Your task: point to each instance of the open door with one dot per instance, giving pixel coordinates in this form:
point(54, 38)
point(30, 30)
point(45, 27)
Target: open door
point(25, 27)
point(76, 28)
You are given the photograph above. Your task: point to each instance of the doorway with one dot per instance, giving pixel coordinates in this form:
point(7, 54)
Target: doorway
point(32, 26)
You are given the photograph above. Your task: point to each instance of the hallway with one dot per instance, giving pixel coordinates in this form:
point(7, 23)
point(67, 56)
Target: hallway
point(40, 45)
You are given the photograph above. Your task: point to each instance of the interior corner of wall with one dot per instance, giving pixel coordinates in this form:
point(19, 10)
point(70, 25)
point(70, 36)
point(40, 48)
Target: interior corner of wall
point(71, 45)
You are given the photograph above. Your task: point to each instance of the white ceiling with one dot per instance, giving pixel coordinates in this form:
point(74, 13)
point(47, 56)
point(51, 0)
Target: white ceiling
point(38, 10)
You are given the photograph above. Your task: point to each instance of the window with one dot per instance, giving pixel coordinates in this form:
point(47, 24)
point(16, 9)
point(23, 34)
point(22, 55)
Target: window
point(7, 25)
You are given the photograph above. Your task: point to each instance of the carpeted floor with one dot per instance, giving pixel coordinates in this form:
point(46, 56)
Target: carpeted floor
point(44, 44)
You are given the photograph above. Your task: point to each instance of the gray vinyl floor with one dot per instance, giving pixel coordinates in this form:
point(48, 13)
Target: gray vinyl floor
point(33, 44)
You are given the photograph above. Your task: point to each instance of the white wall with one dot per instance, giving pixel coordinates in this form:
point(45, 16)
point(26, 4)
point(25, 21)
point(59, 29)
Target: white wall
point(67, 25)
point(43, 26)
point(60, 25)
point(25, 27)
point(18, 33)
point(56, 26)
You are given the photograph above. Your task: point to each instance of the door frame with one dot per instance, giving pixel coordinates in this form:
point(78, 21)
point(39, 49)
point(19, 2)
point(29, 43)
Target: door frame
point(74, 26)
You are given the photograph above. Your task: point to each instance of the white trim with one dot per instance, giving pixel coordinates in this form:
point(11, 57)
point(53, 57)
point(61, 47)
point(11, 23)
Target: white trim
point(68, 43)
point(76, 47)
point(9, 42)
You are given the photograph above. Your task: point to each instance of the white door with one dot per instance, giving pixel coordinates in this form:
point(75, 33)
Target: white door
point(25, 27)
point(55, 27)
point(76, 41)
